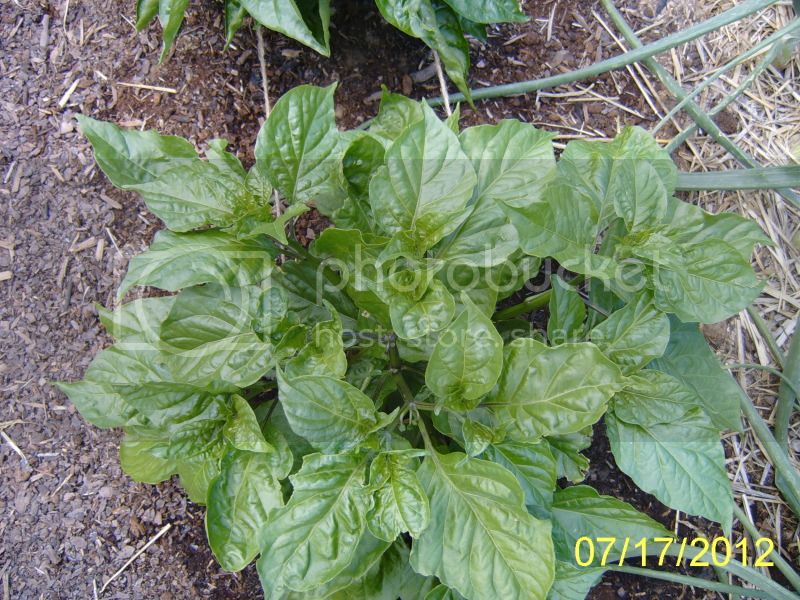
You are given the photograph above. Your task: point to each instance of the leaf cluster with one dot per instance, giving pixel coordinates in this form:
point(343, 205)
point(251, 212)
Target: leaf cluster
point(357, 414)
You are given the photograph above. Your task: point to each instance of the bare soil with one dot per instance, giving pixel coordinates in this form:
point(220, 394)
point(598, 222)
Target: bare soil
point(70, 517)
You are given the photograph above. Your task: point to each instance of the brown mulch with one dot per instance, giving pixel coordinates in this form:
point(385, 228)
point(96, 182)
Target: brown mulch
point(70, 517)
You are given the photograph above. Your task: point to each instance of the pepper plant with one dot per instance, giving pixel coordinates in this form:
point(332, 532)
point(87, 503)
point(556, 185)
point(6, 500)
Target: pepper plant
point(370, 416)
point(440, 24)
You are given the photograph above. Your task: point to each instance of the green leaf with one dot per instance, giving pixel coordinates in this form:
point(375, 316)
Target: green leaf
point(315, 536)
point(137, 462)
point(689, 359)
point(198, 473)
point(566, 449)
point(425, 185)
point(400, 504)
point(209, 336)
point(567, 313)
point(415, 319)
point(396, 113)
point(99, 403)
point(129, 157)
point(141, 317)
point(652, 397)
point(573, 582)
point(477, 437)
point(146, 10)
point(467, 359)
point(711, 283)
point(323, 354)
point(170, 13)
point(234, 17)
point(442, 592)
point(193, 194)
point(240, 502)
point(243, 431)
point(299, 144)
point(273, 227)
point(302, 20)
point(176, 261)
point(680, 463)
point(440, 28)
point(331, 414)
point(580, 511)
point(634, 335)
point(489, 11)
point(552, 391)
point(481, 540)
point(638, 194)
point(533, 465)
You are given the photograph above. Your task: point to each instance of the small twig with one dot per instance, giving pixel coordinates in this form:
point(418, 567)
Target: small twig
point(143, 86)
point(155, 538)
point(442, 83)
point(263, 65)
point(14, 447)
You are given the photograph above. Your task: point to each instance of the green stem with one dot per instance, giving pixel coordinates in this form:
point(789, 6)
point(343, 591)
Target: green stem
point(736, 13)
point(695, 582)
point(674, 88)
point(782, 565)
point(772, 39)
point(787, 393)
point(396, 366)
point(532, 303)
point(775, 453)
point(766, 334)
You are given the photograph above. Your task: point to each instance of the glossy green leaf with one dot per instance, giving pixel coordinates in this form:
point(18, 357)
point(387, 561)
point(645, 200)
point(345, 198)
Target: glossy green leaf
point(139, 464)
point(315, 536)
point(396, 112)
point(170, 13)
point(305, 21)
point(331, 414)
point(681, 463)
point(414, 319)
point(689, 359)
point(323, 354)
point(652, 397)
point(425, 185)
point(146, 11)
point(573, 582)
point(298, 145)
point(638, 194)
point(176, 261)
point(442, 592)
point(234, 17)
point(633, 335)
point(400, 504)
point(566, 449)
point(481, 540)
point(579, 511)
point(552, 391)
point(198, 473)
point(533, 465)
point(567, 312)
point(243, 430)
point(130, 157)
point(467, 359)
point(477, 437)
point(240, 503)
point(141, 317)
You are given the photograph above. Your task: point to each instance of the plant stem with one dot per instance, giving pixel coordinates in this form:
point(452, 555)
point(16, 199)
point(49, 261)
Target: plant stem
point(759, 178)
point(781, 564)
point(779, 459)
point(694, 582)
point(772, 370)
point(739, 11)
point(786, 398)
point(263, 65)
point(766, 334)
point(674, 88)
point(396, 366)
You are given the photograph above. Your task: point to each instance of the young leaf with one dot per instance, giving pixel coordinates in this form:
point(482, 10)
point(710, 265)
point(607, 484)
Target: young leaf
point(681, 463)
point(580, 511)
point(240, 502)
point(689, 359)
point(396, 113)
point(638, 194)
point(567, 313)
point(553, 391)
point(146, 10)
point(243, 431)
point(400, 504)
point(481, 540)
point(331, 414)
point(566, 449)
point(477, 437)
point(176, 261)
point(533, 465)
point(415, 319)
point(652, 397)
point(425, 184)
point(234, 17)
point(170, 13)
point(467, 359)
point(323, 354)
point(129, 157)
point(298, 145)
point(315, 536)
point(633, 335)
